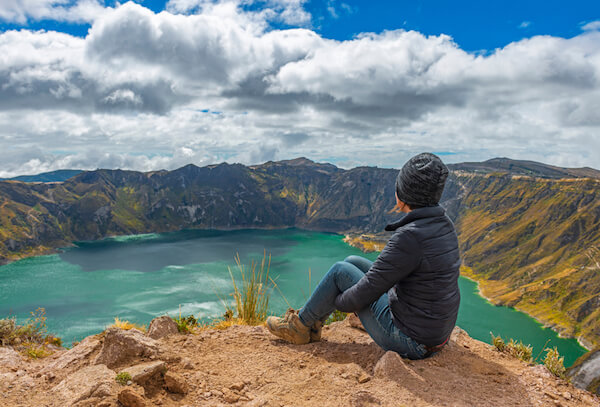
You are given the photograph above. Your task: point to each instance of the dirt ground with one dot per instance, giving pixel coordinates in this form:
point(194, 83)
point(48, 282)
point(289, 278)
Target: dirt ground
point(246, 366)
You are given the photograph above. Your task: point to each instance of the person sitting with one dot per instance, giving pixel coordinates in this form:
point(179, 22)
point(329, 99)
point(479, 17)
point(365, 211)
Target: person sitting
point(408, 298)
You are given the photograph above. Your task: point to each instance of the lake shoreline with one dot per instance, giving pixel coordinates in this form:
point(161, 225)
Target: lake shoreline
point(86, 286)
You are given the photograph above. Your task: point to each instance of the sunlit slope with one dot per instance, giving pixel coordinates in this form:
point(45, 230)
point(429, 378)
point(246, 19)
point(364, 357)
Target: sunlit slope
point(535, 244)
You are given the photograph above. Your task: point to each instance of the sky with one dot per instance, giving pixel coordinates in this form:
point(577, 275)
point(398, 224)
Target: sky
point(158, 84)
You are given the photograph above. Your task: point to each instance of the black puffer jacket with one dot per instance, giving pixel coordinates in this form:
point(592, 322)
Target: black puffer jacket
point(419, 269)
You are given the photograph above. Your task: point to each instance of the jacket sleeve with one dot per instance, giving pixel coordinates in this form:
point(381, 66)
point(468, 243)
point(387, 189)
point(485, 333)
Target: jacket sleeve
point(400, 257)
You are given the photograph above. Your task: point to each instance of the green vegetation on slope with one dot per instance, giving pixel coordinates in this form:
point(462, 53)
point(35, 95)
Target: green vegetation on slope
point(532, 243)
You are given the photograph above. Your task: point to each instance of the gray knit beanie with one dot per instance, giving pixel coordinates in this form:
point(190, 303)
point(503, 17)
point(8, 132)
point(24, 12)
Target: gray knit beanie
point(421, 180)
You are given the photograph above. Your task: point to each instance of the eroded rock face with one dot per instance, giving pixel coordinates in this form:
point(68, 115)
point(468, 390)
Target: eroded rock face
point(120, 345)
point(162, 326)
point(10, 357)
point(92, 381)
point(585, 372)
point(73, 358)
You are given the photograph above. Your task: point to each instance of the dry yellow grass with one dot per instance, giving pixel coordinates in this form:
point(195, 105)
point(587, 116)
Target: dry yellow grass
point(124, 324)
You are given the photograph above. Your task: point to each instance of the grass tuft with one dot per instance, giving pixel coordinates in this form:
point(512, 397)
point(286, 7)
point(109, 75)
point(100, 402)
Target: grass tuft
point(185, 324)
point(554, 362)
point(516, 349)
point(30, 338)
point(498, 342)
point(36, 351)
point(250, 292)
point(126, 325)
point(519, 350)
point(122, 378)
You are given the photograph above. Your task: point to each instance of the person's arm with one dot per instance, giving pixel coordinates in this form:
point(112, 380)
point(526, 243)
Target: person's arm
point(400, 257)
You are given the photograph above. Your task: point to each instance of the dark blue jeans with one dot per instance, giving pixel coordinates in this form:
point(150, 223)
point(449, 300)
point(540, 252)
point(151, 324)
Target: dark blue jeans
point(377, 318)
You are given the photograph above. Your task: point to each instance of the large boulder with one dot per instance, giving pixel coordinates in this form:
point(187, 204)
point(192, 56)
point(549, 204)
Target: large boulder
point(96, 381)
point(121, 345)
point(585, 372)
point(162, 326)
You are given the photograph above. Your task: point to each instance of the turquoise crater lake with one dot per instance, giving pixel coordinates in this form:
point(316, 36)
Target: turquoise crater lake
point(142, 276)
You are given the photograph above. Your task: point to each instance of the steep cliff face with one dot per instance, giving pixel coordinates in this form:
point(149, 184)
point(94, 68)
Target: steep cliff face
point(535, 244)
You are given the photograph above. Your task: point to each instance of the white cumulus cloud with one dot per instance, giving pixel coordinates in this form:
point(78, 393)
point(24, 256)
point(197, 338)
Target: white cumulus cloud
point(210, 81)
point(79, 11)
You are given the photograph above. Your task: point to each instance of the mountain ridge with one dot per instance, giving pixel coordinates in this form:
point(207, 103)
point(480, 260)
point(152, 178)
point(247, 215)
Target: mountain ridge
point(531, 241)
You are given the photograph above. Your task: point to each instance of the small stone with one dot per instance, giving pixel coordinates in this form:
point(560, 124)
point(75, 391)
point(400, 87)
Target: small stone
point(354, 321)
point(175, 383)
point(217, 393)
point(345, 375)
point(187, 363)
point(129, 382)
point(207, 394)
point(237, 386)
point(363, 378)
point(231, 397)
point(551, 395)
point(144, 372)
point(567, 395)
point(129, 398)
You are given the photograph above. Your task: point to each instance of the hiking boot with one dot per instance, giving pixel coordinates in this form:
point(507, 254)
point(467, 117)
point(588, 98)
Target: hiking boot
point(289, 328)
point(315, 331)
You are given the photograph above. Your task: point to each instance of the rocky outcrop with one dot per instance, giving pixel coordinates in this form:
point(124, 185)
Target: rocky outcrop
point(161, 327)
point(585, 372)
point(92, 382)
point(247, 366)
point(72, 359)
point(9, 357)
point(122, 345)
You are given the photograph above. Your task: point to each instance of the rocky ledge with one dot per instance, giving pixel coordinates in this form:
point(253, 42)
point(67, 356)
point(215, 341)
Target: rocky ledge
point(246, 366)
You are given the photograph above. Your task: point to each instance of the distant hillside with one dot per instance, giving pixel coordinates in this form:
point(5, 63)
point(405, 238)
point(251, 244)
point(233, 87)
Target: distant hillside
point(53, 176)
point(532, 241)
point(521, 167)
point(535, 244)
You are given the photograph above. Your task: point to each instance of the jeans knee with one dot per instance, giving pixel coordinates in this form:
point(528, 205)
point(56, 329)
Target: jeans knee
point(338, 267)
point(351, 259)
